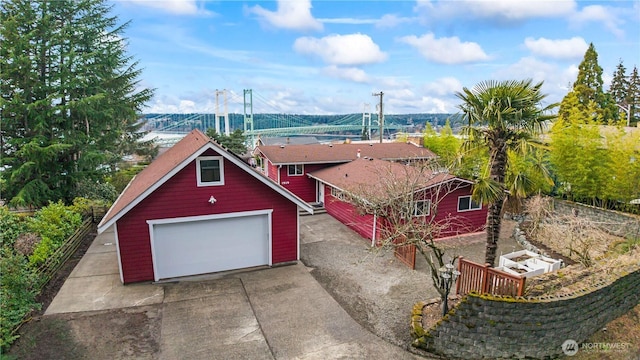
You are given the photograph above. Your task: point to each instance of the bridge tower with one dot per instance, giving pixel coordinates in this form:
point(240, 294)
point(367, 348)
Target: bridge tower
point(248, 111)
point(366, 121)
point(227, 131)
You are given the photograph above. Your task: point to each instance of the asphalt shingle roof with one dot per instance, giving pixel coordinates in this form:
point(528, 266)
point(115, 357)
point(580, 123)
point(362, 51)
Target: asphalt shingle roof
point(372, 176)
point(337, 153)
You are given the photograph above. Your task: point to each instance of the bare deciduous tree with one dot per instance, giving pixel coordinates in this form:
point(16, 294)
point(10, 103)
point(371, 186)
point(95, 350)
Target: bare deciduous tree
point(405, 199)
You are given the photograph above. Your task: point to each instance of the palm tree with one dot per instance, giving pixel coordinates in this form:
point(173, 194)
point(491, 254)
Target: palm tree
point(501, 116)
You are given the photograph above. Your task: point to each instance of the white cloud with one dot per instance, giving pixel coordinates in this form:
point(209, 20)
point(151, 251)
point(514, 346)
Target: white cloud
point(557, 81)
point(348, 21)
point(406, 101)
point(164, 104)
point(392, 20)
point(347, 73)
point(573, 48)
point(527, 68)
point(443, 87)
point(446, 50)
point(505, 10)
point(352, 49)
point(179, 7)
point(598, 14)
point(293, 15)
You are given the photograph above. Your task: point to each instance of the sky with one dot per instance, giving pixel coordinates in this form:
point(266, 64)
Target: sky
point(330, 56)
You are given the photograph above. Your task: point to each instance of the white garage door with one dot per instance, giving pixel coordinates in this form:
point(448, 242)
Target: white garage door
point(200, 245)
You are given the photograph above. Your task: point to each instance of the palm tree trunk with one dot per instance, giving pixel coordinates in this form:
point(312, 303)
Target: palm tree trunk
point(494, 222)
point(494, 214)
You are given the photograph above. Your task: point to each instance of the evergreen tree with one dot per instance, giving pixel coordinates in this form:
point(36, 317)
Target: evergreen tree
point(619, 88)
point(588, 88)
point(624, 91)
point(234, 142)
point(70, 101)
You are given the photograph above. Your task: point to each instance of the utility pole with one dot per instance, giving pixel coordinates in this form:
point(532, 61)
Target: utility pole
point(626, 110)
point(380, 114)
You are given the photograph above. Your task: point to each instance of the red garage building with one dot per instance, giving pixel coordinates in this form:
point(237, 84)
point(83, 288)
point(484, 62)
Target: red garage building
point(200, 209)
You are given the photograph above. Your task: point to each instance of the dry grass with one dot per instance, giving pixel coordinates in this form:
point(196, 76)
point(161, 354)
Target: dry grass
point(624, 331)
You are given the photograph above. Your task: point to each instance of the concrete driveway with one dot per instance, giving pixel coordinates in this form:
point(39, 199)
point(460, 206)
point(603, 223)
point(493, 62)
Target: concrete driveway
point(278, 313)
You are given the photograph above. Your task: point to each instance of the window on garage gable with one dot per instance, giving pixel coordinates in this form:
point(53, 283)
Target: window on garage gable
point(210, 170)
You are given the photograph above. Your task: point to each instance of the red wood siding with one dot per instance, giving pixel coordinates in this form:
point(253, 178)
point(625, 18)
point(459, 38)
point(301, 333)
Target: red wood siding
point(347, 214)
point(460, 222)
point(272, 170)
point(303, 186)
point(456, 223)
point(180, 197)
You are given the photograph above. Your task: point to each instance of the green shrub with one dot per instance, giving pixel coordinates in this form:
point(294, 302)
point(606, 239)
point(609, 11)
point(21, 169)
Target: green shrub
point(56, 222)
point(89, 189)
point(11, 225)
point(17, 296)
point(627, 245)
point(84, 206)
point(122, 177)
point(42, 252)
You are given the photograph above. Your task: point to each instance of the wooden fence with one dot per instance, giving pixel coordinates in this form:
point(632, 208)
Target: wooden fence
point(405, 252)
point(52, 265)
point(487, 280)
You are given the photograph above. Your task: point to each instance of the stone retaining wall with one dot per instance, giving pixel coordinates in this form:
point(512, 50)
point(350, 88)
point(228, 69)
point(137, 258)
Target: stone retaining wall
point(617, 223)
point(487, 326)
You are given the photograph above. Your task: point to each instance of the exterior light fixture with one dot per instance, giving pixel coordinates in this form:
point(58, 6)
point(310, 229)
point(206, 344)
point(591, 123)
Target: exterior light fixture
point(449, 275)
point(212, 200)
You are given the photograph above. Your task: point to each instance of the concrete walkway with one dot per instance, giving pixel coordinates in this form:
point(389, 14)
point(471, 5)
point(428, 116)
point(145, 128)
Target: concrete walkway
point(279, 313)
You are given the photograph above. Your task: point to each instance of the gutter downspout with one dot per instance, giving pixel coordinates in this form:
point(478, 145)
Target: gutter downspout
point(279, 168)
point(375, 225)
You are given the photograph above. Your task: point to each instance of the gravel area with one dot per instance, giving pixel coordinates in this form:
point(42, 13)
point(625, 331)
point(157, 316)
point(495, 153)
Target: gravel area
point(375, 288)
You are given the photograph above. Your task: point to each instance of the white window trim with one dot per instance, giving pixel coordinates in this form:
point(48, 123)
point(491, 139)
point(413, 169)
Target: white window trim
point(415, 208)
point(211, 183)
point(471, 208)
point(295, 167)
point(338, 194)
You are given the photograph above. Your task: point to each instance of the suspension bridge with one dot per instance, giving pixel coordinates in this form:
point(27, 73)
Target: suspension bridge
point(266, 121)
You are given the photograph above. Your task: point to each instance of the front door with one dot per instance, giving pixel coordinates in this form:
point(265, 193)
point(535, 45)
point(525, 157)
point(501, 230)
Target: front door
point(320, 187)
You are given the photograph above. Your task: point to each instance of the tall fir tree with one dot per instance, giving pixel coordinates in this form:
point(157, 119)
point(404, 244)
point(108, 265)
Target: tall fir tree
point(588, 88)
point(70, 97)
point(625, 92)
point(619, 87)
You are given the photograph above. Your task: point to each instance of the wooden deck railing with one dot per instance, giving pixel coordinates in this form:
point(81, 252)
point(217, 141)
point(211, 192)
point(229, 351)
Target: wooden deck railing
point(487, 280)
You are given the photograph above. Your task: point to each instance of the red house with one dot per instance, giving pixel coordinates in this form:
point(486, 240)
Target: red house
point(199, 209)
point(440, 198)
point(288, 165)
